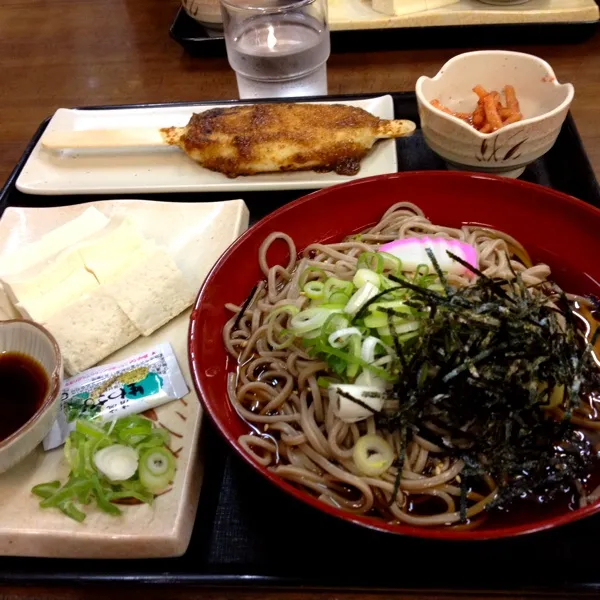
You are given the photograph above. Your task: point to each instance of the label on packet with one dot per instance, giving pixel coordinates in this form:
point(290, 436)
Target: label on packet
point(109, 392)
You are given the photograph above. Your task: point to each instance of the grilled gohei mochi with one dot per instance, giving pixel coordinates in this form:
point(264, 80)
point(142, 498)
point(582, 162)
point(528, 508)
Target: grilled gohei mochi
point(266, 138)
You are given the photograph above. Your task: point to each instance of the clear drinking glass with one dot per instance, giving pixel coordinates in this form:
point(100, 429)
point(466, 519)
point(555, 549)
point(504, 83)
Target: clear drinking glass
point(277, 48)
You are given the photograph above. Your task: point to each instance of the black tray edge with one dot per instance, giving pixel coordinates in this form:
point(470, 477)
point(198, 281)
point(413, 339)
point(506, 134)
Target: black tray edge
point(14, 174)
point(200, 43)
point(586, 169)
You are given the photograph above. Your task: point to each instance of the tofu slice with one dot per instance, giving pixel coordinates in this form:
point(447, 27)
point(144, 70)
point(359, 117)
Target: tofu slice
point(406, 7)
point(112, 251)
point(90, 329)
point(88, 223)
point(41, 307)
point(7, 309)
point(41, 279)
point(151, 290)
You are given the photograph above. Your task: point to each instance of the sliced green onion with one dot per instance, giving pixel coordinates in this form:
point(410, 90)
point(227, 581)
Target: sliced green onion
point(159, 437)
point(372, 455)
point(143, 496)
point(371, 260)
point(369, 346)
point(388, 340)
point(363, 276)
point(334, 322)
point(70, 510)
point(401, 329)
point(87, 450)
point(421, 271)
point(376, 320)
point(45, 490)
point(333, 285)
point(314, 290)
point(388, 284)
point(117, 462)
point(350, 358)
point(339, 298)
point(354, 367)
point(290, 309)
point(324, 382)
point(157, 468)
point(309, 272)
point(407, 327)
point(101, 498)
point(341, 337)
point(361, 297)
point(89, 429)
point(309, 320)
point(330, 306)
point(391, 263)
point(67, 492)
point(395, 305)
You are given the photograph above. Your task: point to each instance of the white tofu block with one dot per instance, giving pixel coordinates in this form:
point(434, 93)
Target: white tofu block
point(41, 308)
point(90, 329)
point(55, 241)
point(396, 8)
point(151, 291)
point(111, 252)
point(7, 309)
point(42, 278)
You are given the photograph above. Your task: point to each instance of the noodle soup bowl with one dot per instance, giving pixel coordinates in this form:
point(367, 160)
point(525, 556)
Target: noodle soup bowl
point(446, 198)
point(544, 104)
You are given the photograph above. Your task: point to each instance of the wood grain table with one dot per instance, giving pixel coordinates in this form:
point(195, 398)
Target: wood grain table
point(62, 53)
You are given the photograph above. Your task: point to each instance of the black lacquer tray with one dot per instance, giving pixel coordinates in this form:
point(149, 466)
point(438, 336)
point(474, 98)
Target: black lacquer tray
point(203, 42)
point(249, 533)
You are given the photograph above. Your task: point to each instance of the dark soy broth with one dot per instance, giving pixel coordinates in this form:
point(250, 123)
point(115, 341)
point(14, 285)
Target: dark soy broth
point(23, 387)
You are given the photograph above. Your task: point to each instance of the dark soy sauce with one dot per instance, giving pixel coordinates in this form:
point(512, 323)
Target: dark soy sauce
point(23, 387)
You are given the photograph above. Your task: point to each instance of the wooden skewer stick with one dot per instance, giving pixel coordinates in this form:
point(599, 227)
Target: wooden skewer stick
point(111, 138)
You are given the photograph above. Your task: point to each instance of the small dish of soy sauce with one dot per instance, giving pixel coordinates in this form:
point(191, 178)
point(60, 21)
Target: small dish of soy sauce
point(24, 384)
point(31, 375)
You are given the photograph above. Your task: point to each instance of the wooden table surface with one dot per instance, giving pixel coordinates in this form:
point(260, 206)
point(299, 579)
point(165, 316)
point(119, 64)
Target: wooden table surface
point(61, 53)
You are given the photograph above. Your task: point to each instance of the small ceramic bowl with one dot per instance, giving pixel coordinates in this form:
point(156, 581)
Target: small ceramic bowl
point(543, 101)
point(32, 340)
point(206, 12)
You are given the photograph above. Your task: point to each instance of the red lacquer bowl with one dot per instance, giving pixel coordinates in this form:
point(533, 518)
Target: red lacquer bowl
point(555, 228)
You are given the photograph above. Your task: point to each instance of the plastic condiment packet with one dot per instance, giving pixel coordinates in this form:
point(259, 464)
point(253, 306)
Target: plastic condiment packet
point(109, 392)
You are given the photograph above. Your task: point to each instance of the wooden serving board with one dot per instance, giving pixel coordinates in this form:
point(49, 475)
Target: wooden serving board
point(195, 234)
point(359, 14)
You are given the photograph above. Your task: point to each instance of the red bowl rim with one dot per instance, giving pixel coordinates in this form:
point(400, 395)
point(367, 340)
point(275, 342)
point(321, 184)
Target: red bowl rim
point(373, 522)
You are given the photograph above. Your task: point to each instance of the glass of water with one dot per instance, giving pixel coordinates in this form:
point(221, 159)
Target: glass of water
point(277, 48)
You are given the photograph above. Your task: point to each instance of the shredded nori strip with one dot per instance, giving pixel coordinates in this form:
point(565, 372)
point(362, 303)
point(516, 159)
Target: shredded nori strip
point(488, 359)
point(247, 302)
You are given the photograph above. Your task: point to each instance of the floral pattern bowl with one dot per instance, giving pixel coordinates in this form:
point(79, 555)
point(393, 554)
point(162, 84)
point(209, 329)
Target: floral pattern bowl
point(544, 103)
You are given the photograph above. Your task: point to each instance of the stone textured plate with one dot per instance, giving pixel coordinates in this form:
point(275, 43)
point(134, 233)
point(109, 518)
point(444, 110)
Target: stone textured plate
point(195, 234)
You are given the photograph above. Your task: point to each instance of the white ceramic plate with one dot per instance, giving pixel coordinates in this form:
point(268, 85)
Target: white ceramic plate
point(195, 234)
point(169, 169)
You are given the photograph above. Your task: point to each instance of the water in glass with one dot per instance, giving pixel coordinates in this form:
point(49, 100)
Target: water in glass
point(280, 55)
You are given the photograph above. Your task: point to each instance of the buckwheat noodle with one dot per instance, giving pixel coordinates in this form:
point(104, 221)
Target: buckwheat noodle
point(294, 431)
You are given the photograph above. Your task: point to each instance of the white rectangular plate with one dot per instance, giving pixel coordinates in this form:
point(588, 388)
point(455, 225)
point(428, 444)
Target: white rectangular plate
point(169, 169)
point(195, 234)
point(359, 14)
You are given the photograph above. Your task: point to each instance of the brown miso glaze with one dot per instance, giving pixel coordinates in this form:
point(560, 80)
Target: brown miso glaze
point(23, 387)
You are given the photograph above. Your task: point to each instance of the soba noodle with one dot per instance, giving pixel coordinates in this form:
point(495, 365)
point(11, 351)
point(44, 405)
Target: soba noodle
point(295, 431)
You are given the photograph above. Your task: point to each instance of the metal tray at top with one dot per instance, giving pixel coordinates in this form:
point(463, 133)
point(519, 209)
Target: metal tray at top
point(198, 40)
point(249, 533)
